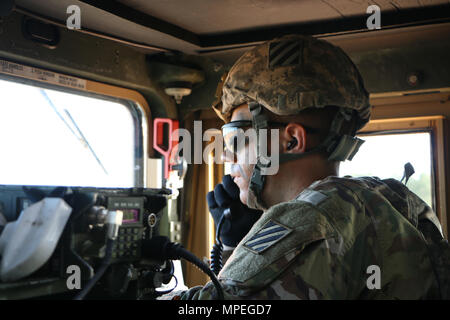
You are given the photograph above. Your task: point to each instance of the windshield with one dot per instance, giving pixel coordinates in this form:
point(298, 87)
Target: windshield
point(50, 137)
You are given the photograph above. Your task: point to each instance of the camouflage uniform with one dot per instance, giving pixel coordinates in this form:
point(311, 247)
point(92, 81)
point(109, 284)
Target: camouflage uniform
point(327, 238)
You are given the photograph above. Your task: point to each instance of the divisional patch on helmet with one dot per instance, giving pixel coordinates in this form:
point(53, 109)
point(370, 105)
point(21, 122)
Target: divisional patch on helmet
point(271, 233)
point(285, 53)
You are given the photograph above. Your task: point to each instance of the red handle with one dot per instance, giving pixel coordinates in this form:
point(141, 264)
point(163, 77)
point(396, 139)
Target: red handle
point(171, 139)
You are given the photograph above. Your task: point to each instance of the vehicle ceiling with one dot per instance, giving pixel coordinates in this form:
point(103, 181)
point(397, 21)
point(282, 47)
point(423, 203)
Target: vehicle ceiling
point(211, 35)
point(217, 28)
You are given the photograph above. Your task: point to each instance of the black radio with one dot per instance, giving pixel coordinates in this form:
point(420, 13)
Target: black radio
point(84, 240)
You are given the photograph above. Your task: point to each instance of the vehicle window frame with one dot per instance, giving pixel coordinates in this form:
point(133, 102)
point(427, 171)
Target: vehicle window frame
point(434, 126)
point(130, 99)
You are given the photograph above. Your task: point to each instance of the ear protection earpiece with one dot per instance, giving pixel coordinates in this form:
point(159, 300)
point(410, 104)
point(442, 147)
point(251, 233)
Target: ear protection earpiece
point(291, 144)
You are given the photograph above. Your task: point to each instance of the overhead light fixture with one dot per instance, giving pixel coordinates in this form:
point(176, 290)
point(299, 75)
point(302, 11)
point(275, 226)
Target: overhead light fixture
point(178, 92)
point(175, 76)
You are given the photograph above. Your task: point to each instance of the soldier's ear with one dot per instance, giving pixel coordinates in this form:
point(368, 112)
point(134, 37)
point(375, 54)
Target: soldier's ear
point(294, 138)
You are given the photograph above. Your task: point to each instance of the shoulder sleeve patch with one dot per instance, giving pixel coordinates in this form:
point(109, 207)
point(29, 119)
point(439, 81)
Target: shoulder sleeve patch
point(267, 236)
point(312, 196)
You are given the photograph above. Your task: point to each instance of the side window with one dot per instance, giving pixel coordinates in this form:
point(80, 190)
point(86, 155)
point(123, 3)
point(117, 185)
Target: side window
point(385, 155)
point(62, 137)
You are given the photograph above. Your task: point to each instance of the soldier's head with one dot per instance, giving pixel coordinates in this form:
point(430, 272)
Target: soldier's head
point(312, 93)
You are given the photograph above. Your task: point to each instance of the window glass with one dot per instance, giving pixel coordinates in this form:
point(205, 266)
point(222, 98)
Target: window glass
point(384, 156)
point(50, 137)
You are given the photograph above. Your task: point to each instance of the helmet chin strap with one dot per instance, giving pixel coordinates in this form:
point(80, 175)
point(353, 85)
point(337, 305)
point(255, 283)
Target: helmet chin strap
point(258, 179)
point(339, 148)
point(255, 189)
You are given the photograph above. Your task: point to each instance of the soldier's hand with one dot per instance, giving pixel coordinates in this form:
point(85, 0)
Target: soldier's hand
point(224, 196)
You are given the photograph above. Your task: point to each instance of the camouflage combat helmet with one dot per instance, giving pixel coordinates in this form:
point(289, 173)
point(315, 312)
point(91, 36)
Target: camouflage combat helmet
point(290, 74)
point(286, 76)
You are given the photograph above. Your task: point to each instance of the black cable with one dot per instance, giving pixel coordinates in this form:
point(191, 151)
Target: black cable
point(168, 290)
point(162, 249)
point(205, 268)
point(104, 266)
point(217, 250)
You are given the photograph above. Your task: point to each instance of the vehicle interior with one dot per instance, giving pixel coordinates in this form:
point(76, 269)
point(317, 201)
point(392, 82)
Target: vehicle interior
point(96, 95)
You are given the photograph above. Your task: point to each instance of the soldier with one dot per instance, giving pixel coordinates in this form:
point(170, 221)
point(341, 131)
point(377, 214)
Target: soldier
point(304, 232)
